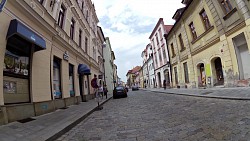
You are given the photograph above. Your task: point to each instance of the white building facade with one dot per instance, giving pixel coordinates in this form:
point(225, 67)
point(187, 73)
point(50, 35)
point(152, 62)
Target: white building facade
point(108, 65)
point(160, 53)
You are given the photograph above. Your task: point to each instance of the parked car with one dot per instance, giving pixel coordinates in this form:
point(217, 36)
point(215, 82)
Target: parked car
point(134, 88)
point(119, 91)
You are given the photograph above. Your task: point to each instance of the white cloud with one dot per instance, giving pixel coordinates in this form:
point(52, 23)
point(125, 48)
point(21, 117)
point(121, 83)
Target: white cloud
point(129, 23)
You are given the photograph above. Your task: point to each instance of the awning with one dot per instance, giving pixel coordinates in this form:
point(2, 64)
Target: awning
point(16, 28)
point(83, 69)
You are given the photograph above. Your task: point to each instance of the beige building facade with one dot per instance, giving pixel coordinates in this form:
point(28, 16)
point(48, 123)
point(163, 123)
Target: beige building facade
point(48, 54)
point(209, 44)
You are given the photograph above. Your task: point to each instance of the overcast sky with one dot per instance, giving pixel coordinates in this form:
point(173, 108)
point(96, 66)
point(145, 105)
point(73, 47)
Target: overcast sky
point(129, 23)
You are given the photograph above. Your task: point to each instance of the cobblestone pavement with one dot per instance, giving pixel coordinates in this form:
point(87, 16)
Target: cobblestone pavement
point(148, 116)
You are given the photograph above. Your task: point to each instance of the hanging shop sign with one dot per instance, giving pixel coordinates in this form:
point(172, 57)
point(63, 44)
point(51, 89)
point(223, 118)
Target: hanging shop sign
point(66, 56)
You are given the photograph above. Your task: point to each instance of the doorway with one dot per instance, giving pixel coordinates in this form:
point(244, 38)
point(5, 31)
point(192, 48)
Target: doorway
point(243, 57)
point(159, 79)
point(201, 75)
point(217, 71)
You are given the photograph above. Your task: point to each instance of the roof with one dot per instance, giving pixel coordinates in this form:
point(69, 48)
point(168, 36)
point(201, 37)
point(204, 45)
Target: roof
point(156, 26)
point(168, 28)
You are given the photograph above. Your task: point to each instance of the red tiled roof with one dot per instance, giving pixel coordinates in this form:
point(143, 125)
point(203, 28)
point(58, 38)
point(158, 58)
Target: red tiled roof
point(168, 28)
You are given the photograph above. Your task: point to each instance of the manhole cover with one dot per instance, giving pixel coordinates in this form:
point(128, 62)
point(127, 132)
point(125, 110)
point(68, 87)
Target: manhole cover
point(26, 120)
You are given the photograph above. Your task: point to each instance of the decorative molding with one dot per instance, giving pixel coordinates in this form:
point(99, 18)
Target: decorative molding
point(216, 40)
point(236, 28)
point(184, 58)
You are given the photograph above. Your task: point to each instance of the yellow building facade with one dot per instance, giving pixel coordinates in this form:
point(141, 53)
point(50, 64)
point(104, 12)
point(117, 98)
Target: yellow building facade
point(209, 44)
point(48, 56)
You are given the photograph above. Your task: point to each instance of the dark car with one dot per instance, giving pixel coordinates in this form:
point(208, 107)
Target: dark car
point(134, 88)
point(119, 91)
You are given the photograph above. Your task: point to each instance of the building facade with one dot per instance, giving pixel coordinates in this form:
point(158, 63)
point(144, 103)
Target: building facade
point(160, 54)
point(209, 44)
point(48, 56)
point(109, 65)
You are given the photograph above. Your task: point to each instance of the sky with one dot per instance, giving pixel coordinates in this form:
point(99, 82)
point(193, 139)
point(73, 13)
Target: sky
point(129, 23)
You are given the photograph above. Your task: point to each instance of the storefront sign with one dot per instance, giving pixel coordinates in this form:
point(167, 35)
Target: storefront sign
point(66, 56)
point(2, 3)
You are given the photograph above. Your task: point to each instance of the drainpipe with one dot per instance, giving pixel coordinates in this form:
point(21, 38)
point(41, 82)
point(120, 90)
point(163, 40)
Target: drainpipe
point(170, 66)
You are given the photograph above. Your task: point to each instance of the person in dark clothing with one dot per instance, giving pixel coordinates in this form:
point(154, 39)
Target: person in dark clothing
point(164, 84)
point(105, 90)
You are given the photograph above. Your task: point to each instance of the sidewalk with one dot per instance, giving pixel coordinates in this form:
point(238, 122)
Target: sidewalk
point(237, 93)
point(49, 126)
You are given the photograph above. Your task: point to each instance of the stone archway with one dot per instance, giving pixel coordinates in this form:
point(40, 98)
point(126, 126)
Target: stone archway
point(201, 75)
point(217, 71)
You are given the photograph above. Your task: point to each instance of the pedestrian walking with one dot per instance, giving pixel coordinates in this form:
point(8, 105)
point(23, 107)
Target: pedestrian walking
point(105, 90)
point(164, 84)
point(96, 91)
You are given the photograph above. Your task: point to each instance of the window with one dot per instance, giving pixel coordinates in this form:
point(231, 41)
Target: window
point(61, 16)
point(160, 33)
point(16, 70)
point(160, 58)
point(82, 6)
point(71, 80)
point(153, 43)
point(156, 63)
point(40, 1)
point(80, 38)
point(176, 75)
point(181, 42)
point(226, 6)
point(16, 63)
point(94, 53)
point(57, 78)
point(72, 28)
point(164, 54)
point(86, 44)
point(172, 49)
point(186, 72)
point(157, 40)
point(192, 28)
point(205, 19)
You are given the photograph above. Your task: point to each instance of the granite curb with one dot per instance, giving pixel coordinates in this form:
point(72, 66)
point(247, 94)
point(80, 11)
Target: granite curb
point(74, 123)
point(203, 96)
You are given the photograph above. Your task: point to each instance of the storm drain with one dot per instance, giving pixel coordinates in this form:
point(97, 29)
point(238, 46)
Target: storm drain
point(26, 120)
point(205, 93)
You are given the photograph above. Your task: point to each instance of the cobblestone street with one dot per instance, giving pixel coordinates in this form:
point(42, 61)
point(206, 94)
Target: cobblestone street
point(147, 116)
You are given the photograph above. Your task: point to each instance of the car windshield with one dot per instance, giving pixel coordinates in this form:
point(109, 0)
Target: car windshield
point(119, 88)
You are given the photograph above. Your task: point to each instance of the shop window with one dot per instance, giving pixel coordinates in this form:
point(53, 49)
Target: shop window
point(205, 19)
point(57, 78)
point(192, 29)
point(16, 73)
point(71, 80)
point(61, 16)
point(16, 63)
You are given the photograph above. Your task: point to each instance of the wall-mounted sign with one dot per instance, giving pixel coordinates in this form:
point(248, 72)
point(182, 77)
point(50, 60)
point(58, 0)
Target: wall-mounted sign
point(2, 3)
point(9, 87)
point(66, 56)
